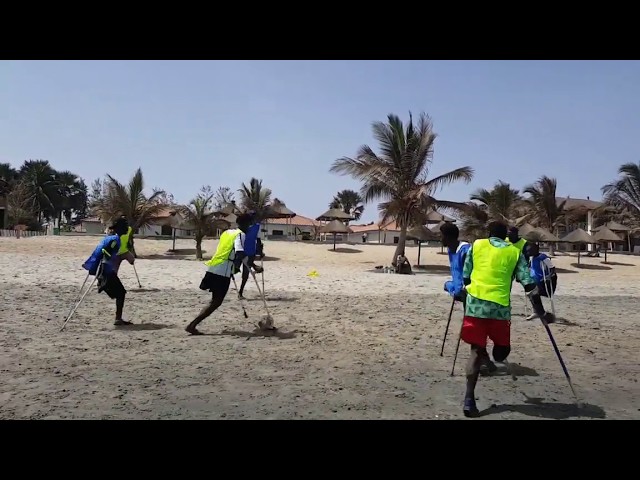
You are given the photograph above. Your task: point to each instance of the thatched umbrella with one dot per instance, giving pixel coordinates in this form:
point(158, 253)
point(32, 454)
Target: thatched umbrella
point(334, 214)
point(437, 217)
point(335, 226)
point(616, 227)
point(278, 210)
point(529, 232)
point(579, 236)
point(605, 235)
point(546, 235)
point(422, 234)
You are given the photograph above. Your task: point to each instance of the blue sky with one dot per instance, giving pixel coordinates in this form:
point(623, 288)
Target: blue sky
point(190, 123)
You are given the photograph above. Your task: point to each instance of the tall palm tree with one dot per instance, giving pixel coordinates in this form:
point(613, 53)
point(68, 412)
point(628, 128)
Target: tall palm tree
point(501, 202)
point(199, 215)
point(545, 210)
point(39, 179)
point(399, 174)
point(349, 202)
point(129, 201)
point(71, 195)
point(255, 197)
point(624, 193)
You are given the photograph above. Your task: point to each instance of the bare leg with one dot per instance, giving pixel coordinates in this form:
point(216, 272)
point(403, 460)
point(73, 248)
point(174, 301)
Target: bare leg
point(206, 311)
point(245, 277)
point(478, 356)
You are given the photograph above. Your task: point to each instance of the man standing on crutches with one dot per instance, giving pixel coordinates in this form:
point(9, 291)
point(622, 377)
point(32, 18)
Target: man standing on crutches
point(101, 264)
point(489, 269)
point(457, 251)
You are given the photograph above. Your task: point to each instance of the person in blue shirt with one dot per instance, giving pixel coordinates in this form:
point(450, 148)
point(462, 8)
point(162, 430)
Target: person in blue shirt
point(457, 253)
point(538, 262)
point(101, 265)
point(250, 250)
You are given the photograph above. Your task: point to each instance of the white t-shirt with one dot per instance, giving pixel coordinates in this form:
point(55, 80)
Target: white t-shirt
point(225, 268)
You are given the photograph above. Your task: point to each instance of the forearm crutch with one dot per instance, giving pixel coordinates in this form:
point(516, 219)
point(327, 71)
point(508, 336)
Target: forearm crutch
point(446, 330)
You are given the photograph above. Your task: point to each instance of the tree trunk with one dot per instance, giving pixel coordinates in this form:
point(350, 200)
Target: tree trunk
point(199, 248)
point(401, 245)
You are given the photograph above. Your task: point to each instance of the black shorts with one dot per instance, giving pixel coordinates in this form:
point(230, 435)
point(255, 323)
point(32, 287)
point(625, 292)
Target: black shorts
point(552, 284)
point(112, 286)
point(216, 284)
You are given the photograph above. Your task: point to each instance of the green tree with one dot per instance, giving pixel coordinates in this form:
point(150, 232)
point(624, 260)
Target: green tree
point(623, 194)
point(350, 202)
point(199, 215)
point(254, 197)
point(399, 174)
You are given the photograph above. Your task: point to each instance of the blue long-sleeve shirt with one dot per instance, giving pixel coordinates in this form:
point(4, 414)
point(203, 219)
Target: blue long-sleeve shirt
point(456, 264)
point(111, 245)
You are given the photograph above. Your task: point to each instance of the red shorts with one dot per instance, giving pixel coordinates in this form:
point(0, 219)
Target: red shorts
point(475, 331)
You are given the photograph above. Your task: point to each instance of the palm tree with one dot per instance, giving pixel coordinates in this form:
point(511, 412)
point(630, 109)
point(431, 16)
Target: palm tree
point(399, 174)
point(501, 202)
point(71, 195)
point(545, 210)
point(349, 202)
point(624, 193)
point(39, 179)
point(129, 201)
point(199, 215)
point(255, 197)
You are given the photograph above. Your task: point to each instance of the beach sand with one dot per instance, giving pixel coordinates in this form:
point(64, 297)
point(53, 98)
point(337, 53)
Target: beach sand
point(352, 343)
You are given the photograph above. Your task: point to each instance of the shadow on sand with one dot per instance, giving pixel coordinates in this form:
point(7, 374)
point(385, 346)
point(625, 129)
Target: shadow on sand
point(619, 264)
point(269, 259)
point(535, 407)
point(142, 327)
point(586, 266)
point(258, 333)
point(431, 269)
point(273, 299)
point(564, 270)
point(143, 290)
point(344, 250)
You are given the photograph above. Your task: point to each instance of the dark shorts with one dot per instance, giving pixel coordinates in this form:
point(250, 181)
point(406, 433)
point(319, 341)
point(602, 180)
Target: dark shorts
point(216, 284)
point(112, 286)
point(476, 331)
point(552, 284)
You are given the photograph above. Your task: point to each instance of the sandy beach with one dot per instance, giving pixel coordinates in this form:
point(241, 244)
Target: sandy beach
point(352, 343)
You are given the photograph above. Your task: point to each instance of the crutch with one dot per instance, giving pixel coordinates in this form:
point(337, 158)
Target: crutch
point(79, 293)
point(455, 357)
point(137, 278)
point(550, 294)
point(73, 310)
point(446, 330)
point(564, 367)
point(264, 300)
point(244, 310)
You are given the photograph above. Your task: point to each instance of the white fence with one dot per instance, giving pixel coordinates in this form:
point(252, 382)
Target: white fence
point(23, 233)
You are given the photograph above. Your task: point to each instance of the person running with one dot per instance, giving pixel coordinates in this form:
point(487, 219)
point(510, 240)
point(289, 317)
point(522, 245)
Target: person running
point(101, 264)
point(457, 251)
point(250, 250)
point(224, 263)
point(489, 269)
point(541, 267)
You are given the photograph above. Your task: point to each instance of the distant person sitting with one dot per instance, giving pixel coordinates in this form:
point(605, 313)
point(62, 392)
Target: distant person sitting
point(541, 268)
point(403, 266)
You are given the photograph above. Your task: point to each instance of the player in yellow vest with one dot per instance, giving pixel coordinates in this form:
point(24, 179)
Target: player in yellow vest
point(225, 262)
point(513, 237)
point(126, 251)
point(489, 269)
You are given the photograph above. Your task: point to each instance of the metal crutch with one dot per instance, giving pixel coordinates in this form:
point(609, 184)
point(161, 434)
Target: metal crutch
point(79, 293)
point(80, 301)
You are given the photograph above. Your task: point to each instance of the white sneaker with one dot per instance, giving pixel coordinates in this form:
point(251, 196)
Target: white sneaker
point(533, 316)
